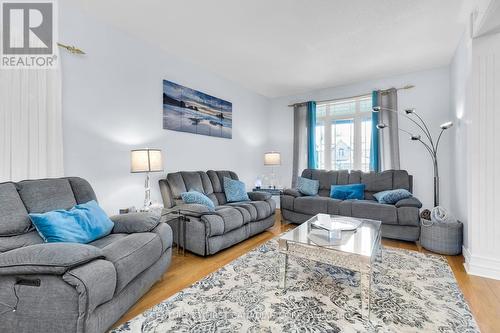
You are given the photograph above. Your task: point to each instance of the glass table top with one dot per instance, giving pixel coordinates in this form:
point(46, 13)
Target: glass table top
point(362, 241)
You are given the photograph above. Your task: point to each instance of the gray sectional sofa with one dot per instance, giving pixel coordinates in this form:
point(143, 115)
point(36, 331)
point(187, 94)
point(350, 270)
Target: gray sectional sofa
point(71, 287)
point(209, 232)
point(399, 221)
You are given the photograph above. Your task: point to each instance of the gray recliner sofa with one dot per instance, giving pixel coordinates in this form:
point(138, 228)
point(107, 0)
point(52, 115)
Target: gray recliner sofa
point(209, 232)
point(71, 287)
point(399, 221)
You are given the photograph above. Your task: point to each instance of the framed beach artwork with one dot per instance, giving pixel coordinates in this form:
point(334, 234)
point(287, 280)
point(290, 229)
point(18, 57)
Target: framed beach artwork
point(188, 110)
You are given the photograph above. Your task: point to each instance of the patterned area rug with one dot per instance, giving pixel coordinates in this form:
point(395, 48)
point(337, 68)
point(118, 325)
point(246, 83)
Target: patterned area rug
point(412, 292)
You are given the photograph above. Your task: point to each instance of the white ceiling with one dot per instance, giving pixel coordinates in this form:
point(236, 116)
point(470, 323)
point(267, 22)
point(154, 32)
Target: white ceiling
point(283, 47)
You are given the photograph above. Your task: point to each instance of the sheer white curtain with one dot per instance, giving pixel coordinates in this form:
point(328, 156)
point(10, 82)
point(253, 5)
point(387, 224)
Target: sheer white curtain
point(30, 124)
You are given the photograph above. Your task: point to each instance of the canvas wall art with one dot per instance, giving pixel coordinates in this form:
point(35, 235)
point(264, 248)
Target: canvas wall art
point(188, 110)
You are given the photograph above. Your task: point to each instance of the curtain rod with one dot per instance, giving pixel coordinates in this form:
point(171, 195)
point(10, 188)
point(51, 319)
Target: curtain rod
point(384, 91)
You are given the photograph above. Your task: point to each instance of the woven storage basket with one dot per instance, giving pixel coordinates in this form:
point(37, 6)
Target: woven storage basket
point(443, 238)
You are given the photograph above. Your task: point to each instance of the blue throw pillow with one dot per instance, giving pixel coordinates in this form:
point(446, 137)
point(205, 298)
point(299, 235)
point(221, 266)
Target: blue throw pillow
point(83, 223)
point(390, 197)
point(194, 197)
point(307, 186)
point(345, 192)
point(235, 190)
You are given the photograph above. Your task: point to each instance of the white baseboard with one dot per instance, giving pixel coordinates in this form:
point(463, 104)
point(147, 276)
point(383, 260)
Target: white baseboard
point(481, 266)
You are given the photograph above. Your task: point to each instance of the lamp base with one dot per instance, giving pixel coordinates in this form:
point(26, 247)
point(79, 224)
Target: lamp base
point(147, 194)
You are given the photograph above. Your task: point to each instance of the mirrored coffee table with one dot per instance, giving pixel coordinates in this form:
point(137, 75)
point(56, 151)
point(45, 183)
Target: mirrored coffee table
point(353, 250)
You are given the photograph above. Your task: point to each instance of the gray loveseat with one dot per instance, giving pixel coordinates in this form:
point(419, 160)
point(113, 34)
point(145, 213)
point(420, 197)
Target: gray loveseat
point(399, 221)
point(209, 232)
point(71, 287)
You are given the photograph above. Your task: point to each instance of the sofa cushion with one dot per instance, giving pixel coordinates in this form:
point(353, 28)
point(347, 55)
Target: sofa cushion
point(351, 191)
point(311, 205)
point(131, 255)
point(392, 196)
point(307, 186)
point(82, 190)
point(217, 180)
point(231, 217)
point(54, 258)
point(45, 195)
point(14, 218)
point(376, 182)
point(333, 206)
point(263, 209)
point(235, 190)
point(83, 223)
point(185, 181)
point(251, 210)
point(135, 222)
point(14, 242)
point(327, 178)
point(370, 209)
point(195, 197)
point(245, 214)
point(259, 195)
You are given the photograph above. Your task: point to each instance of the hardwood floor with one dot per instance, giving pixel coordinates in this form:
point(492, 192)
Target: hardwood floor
point(483, 295)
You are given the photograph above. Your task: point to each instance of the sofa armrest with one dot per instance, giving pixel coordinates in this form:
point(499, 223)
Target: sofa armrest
point(135, 222)
point(410, 202)
point(292, 192)
point(259, 196)
point(95, 283)
point(195, 210)
point(48, 258)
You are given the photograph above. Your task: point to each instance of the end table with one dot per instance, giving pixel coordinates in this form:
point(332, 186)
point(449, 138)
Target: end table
point(180, 219)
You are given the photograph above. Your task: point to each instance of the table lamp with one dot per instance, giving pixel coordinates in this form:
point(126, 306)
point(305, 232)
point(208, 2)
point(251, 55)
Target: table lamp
point(146, 161)
point(272, 158)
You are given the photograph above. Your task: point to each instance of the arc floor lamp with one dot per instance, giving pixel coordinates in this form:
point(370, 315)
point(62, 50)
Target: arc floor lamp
point(430, 143)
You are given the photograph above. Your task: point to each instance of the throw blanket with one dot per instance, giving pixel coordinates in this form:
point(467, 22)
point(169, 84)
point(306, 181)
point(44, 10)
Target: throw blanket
point(441, 215)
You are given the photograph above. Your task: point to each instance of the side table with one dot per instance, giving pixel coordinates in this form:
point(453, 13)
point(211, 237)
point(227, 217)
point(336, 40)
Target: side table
point(180, 221)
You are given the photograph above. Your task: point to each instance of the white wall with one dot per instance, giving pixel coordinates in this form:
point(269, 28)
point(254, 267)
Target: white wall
point(112, 103)
point(431, 98)
point(460, 85)
point(482, 250)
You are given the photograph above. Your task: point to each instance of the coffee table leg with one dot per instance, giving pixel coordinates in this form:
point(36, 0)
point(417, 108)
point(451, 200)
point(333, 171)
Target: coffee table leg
point(365, 284)
point(283, 268)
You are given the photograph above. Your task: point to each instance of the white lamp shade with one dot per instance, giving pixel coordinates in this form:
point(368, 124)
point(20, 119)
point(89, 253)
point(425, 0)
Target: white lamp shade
point(146, 160)
point(272, 158)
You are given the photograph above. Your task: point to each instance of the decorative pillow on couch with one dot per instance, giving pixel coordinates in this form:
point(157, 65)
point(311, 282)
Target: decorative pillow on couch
point(194, 197)
point(235, 190)
point(83, 223)
point(307, 186)
point(390, 197)
point(346, 192)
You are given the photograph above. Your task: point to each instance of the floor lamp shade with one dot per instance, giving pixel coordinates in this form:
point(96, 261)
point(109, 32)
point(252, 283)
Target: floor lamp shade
point(146, 160)
point(272, 158)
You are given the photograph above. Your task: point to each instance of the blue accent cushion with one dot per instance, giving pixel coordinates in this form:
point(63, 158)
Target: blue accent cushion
point(345, 192)
point(390, 197)
point(83, 223)
point(235, 190)
point(194, 197)
point(307, 186)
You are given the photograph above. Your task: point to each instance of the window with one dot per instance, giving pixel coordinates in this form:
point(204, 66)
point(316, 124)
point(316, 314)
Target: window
point(343, 134)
